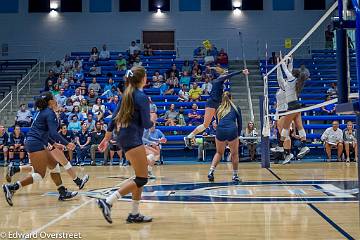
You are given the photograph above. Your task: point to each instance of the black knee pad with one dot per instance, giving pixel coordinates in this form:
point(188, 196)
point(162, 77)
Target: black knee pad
point(140, 181)
point(22, 150)
point(11, 150)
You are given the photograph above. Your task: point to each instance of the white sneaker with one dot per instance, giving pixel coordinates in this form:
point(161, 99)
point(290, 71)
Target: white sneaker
point(277, 149)
point(288, 158)
point(303, 152)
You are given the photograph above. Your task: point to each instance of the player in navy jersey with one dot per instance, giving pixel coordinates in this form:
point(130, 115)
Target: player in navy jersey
point(229, 126)
point(4, 142)
point(213, 102)
point(131, 117)
point(43, 129)
point(16, 144)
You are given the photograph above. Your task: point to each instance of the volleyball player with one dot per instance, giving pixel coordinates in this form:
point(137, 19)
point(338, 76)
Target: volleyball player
point(17, 144)
point(43, 128)
point(212, 103)
point(131, 118)
point(228, 131)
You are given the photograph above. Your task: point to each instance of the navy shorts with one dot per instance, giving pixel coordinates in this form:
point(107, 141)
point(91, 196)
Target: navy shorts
point(34, 146)
point(226, 134)
point(210, 103)
point(294, 105)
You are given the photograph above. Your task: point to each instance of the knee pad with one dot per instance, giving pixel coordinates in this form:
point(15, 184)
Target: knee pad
point(140, 181)
point(285, 133)
point(68, 166)
point(11, 150)
point(56, 169)
point(302, 133)
point(36, 177)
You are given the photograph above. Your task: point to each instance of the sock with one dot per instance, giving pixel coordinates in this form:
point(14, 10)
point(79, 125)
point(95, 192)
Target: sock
point(149, 168)
point(235, 172)
point(77, 181)
point(135, 207)
point(287, 151)
point(212, 170)
point(113, 197)
point(16, 169)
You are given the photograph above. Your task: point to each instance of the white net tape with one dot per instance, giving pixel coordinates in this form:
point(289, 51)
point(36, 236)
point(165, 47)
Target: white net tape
point(266, 126)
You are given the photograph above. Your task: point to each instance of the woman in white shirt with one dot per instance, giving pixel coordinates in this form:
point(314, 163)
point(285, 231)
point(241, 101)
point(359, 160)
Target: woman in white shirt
point(98, 109)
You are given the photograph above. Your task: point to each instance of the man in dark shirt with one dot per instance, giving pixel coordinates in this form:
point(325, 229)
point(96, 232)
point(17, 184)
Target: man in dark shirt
point(82, 140)
point(329, 36)
point(174, 70)
point(4, 140)
point(69, 136)
point(96, 137)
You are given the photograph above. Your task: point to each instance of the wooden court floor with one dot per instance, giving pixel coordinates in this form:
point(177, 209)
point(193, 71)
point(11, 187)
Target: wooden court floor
point(297, 201)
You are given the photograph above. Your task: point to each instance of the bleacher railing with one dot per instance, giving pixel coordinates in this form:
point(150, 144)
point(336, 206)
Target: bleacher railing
point(26, 80)
point(8, 100)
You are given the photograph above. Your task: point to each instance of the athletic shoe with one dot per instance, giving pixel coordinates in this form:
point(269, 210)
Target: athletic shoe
point(10, 171)
point(151, 175)
point(277, 149)
point(64, 194)
point(105, 209)
point(8, 194)
point(138, 218)
point(211, 177)
point(288, 158)
point(84, 180)
point(236, 179)
point(303, 152)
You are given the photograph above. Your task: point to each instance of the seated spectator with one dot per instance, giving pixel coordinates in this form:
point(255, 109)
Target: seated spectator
point(329, 109)
point(185, 79)
point(157, 79)
point(74, 124)
point(171, 116)
point(76, 111)
point(83, 88)
point(61, 98)
point(183, 94)
point(120, 87)
point(96, 137)
point(186, 67)
point(174, 70)
point(195, 93)
point(148, 50)
point(137, 61)
point(166, 90)
point(181, 119)
point(104, 53)
point(153, 108)
point(332, 91)
point(110, 93)
point(67, 63)
point(69, 105)
point(133, 57)
point(58, 68)
point(194, 116)
point(78, 73)
point(196, 66)
point(95, 86)
point(207, 86)
point(133, 48)
point(77, 97)
point(172, 81)
point(304, 70)
point(16, 144)
point(92, 96)
point(68, 92)
point(56, 90)
point(94, 55)
point(199, 52)
point(23, 117)
point(251, 144)
point(333, 139)
point(95, 70)
point(69, 136)
point(196, 75)
point(350, 141)
point(210, 131)
point(82, 140)
point(51, 76)
point(114, 147)
point(222, 57)
point(49, 85)
point(4, 144)
point(98, 109)
point(121, 63)
point(90, 122)
point(78, 62)
point(109, 85)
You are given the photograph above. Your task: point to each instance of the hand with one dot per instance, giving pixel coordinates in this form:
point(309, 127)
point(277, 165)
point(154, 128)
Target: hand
point(103, 146)
point(71, 146)
point(59, 146)
point(246, 71)
point(163, 140)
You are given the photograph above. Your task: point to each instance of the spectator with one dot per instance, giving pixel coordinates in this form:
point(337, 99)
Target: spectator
point(304, 70)
point(210, 131)
point(23, 117)
point(51, 76)
point(196, 66)
point(185, 79)
point(250, 132)
point(78, 72)
point(137, 61)
point(74, 124)
point(148, 50)
point(82, 141)
point(350, 141)
point(16, 144)
point(171, 116)
point(114, 147)
point(61, 98)
point(174, 70)
point(95, 86)
point(49, 85)
point(183, 94)
point(196, 75)
point(112, 105)
point(222, 57)
point(273, 58)
point(83, 88)
point(194, 116)
point(4, 141)
point(133, 48)
point(186, 67)
point(152, 139)
point(58, 68)
point(195, 93)
point(166, 90)
point(96, 137)
point(98, 109)
point(329, 37)
point(69, 136)
point(133, 57)
point(109, 85)
point(76, 111)
point(92, 97)
point(153, 108)
point(94, 55)
point(56, 90)
point(69, 105)
point(110, 94)
point(329, 109)
point(157, 79)
point(121, 63)
point(77, 97)
point(104, 53)
point(90, 122)
point(333, 139)
point(172, 81)
point(67, 63)
point(120, 87)
point(95, 70)
point(68, 92)
point(332, 91)
point(207, 86)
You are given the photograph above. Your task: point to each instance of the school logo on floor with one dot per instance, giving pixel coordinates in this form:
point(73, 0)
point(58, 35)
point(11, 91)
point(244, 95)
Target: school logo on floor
point(245, 192)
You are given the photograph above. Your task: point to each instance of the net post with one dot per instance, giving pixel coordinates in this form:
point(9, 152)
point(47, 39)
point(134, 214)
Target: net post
point(265, 141)
point(342, 56)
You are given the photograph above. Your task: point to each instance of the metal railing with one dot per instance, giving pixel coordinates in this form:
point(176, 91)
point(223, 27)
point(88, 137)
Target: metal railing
point(8, 99)
point(26, 80)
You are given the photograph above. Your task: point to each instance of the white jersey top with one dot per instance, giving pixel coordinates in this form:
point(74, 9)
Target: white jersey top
point(290, 86)
point(281, 101)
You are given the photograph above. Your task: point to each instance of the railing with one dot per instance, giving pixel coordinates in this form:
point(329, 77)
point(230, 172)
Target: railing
point(8, 99)
point(26, 80)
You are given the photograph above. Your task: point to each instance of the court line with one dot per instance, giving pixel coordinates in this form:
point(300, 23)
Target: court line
point(323, 215)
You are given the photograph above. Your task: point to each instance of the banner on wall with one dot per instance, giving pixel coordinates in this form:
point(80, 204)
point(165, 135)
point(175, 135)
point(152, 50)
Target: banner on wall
point(288, 43)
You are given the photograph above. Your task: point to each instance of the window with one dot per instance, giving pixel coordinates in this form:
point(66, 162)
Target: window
point(9, 6)
point(38, 6)
point(190, 5)
point(252, 5)
point(154, 5)
point(314, 4)
point(283, 5)
point(100, 5)
point(71, 5)
point(221, 5)
point(130, 5)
